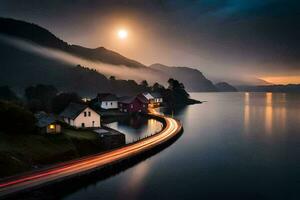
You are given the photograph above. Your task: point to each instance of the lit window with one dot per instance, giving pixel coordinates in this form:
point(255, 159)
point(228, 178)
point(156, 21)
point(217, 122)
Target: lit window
point(52, 126)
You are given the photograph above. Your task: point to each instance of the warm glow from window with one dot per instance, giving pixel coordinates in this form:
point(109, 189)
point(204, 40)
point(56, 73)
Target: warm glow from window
point(52, 126)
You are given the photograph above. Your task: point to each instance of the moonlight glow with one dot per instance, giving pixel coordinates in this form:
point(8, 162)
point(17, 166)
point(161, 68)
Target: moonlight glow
point(122, 34)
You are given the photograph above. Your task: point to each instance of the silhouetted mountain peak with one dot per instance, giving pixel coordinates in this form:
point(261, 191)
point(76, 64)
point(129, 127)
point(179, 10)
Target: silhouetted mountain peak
point(193, 79)
point(41, 36)
point(225, 87)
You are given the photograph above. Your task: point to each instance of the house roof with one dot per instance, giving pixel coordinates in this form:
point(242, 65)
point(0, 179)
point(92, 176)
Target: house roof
point(126, 100)
point(143, 99)
point(44, 119)
point(110, 97)
point(73, 110)
point(156, 95)
point(147, 95)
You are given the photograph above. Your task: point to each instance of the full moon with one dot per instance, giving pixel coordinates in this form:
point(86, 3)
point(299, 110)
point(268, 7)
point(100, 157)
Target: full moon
point(122, 34)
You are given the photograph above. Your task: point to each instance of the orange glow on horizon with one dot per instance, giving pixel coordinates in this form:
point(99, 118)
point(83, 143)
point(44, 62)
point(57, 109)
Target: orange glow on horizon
point(282, 80)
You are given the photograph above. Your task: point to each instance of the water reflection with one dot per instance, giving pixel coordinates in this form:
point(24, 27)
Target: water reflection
point(213, 159)
point(153, 126)
point(246, 111)
point(269, 113)
point(268, 109)
point(134, 185)
point(136, 127)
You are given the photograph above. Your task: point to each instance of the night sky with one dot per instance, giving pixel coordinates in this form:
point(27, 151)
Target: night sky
point(222, 38)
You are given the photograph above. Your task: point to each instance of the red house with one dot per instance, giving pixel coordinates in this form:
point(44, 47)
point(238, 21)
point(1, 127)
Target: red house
point(133, 104)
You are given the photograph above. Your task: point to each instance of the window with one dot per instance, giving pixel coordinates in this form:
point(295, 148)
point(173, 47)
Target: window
point(82, 125)
point(84, 114)
point(89, 113)
point(52, 126)
point(131, 106)
point(111, 103)
point(93, 123)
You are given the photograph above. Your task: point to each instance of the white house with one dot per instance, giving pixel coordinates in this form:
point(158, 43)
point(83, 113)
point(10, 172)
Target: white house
point(81, 116)
point(154, 99)
point(107, 101)
point(157, 98)
point(148, 96)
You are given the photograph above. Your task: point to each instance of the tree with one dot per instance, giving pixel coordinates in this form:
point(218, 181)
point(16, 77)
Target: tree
point(112, 78)
point(61, 101)
point(144, 83)
point(16, 119)
point(7, 94)
point(175, 84)
point(158, 88)
point(39, 97)
point(176, 94)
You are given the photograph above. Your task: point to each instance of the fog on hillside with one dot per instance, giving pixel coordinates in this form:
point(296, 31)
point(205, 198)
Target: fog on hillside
point(119, 71)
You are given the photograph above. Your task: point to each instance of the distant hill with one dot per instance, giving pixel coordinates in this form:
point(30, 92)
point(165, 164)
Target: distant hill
point(34, 33)
point(225, 87)
point(20, 69)
point(290, 88)
point(23, 68)
point(193, 79)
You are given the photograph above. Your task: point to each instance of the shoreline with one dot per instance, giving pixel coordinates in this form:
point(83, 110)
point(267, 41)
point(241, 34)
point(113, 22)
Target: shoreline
point(41, 178)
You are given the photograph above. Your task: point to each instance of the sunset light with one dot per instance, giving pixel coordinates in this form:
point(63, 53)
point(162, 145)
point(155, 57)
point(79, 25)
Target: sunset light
point(122, 34)
point(160, 99)
point(283, 79)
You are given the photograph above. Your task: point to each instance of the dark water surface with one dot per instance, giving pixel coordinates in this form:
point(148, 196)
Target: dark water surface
point(137, 127)
point(234, 146)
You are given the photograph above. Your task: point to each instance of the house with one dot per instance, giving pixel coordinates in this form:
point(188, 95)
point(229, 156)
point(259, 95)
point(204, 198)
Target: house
point(110, 139)
point(157, 98)
point(106, 101)
point(48, 124)
point(133, 104)
point(80, 116)
point(148, 96)
point(154, 99)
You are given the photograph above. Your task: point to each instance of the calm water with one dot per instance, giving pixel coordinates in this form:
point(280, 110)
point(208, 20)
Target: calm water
point(234, 146)
point(136, 128)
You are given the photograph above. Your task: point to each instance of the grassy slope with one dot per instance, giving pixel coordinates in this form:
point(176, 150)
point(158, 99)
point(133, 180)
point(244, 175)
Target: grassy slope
point(19, 153)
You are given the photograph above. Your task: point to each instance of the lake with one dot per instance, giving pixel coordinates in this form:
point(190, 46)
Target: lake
point(234, 146)
point(136, 128)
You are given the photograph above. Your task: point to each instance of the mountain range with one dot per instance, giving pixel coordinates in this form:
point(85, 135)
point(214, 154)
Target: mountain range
point(21, 68)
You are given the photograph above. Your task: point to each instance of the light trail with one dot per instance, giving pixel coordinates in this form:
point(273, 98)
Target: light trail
point(72, 168)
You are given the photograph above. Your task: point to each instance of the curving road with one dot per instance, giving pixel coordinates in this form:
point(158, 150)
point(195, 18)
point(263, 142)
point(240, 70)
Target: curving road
point(172, 128)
